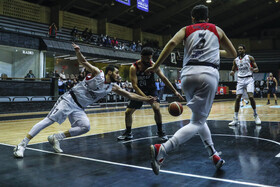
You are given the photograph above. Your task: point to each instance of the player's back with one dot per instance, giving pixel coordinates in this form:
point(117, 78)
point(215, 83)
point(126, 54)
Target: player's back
point(202, 44)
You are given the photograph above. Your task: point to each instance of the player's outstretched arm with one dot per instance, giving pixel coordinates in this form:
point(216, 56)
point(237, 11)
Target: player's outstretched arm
point(229, 50)
point(132, 96)
point(81, 59)
point(233, 68)
point(177, 38)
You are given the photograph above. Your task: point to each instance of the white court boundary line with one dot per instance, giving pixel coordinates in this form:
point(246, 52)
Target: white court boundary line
point(230, 135)
point(146, 168)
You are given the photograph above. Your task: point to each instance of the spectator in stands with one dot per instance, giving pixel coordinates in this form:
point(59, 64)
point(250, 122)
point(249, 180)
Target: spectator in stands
point(52, 31)
point(108, 41)
point(74, 33)
point(85, 34)
point(81, 76)
point(162, 85)
point(139, 46)
point(133, 47)
point(61, 86)
point(62, 75)
point(56, 74)
point(262, 85)
point(178, 86)
point(157, 86)
point(30, 75)
point(115, 43)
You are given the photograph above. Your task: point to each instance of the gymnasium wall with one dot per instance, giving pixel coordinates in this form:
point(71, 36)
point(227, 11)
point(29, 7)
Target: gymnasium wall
point(118, 31)
point(24, 10)
point(69, 20)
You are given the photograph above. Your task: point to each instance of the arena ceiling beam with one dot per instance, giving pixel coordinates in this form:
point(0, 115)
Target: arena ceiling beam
point(67, 4)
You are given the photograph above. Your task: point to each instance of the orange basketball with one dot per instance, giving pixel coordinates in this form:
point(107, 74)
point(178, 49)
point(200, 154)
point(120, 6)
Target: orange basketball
point(175, 108)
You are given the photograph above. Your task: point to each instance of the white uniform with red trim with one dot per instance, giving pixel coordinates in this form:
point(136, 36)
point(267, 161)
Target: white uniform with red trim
point(245, 81)
point(200, 74)
point(87, 92)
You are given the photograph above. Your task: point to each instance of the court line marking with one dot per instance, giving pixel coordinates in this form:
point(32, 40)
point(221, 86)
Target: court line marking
point(231, 135)
point(149, 125)
point(146, 168)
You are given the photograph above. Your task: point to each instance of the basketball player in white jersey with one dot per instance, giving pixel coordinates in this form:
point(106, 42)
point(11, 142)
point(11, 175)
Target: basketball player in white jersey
point(245, 65)
point(199, 78)
point(95, 86)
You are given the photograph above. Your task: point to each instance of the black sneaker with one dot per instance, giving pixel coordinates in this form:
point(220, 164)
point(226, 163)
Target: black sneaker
point(126, 136)
point(162, 136)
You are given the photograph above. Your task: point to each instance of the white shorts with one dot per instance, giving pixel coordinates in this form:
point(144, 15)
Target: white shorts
point(64, 107)
point(245, 84)
point(200, 84)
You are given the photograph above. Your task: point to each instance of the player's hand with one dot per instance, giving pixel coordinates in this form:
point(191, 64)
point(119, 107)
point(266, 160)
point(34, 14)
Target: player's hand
point(151, 99)
point(76, 47)
point(231, 73)
point(151, 69)
point(179, 96)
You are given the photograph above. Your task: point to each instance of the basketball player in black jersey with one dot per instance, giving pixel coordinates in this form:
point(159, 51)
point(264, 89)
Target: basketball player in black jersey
point(144, 84)
point(271, 87)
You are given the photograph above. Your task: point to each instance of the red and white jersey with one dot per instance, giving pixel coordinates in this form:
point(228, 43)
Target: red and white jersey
point(202, 44)
point(91, 89)
point(243, 65)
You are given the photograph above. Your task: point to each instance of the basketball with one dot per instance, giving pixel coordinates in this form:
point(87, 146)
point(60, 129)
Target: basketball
point(175, 109)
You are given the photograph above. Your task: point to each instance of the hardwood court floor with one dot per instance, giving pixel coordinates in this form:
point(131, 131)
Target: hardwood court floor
point(251, 151)
point(112, 119)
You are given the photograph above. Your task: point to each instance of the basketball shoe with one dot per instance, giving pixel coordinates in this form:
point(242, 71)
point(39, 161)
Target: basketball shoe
point(19, 150)
point(157, 153)
point(234, 122)
point(126, 136)
point(257, 120)
point(218, 162)
point(162, 136)
point(55, 143)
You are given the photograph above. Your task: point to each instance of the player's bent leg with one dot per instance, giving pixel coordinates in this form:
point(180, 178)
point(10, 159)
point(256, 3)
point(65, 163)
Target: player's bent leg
point(20, 148)
point(127, 135)
point(158, 118)
point(205, 135)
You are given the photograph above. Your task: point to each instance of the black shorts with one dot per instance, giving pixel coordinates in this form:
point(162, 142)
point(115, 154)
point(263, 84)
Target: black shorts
point(271, 90)
point(138, 104)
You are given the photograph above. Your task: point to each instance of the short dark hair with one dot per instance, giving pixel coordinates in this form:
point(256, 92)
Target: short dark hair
point(110, 68)
point(200, 12)
point(147, 51)
point(242, 45)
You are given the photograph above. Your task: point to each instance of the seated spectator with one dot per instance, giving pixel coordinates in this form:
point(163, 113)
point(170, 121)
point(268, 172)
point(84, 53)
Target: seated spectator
point(133, 47)
point(139, 46)
point(89, 36)
point(52, 31)
point(30, 75)
point(115, 43)
point(56, 74)
point(85, 34)
point(62, 75)
point(121, 46)
point(74, 33)
point(61, 86)
point(4, 76)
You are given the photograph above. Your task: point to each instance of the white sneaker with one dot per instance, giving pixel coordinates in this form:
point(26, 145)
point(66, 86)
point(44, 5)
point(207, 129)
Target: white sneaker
point(19, 150)
point(257, 120)
point(234, 122)
point(217, 161)
point(158, 153)
point(55, 143)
